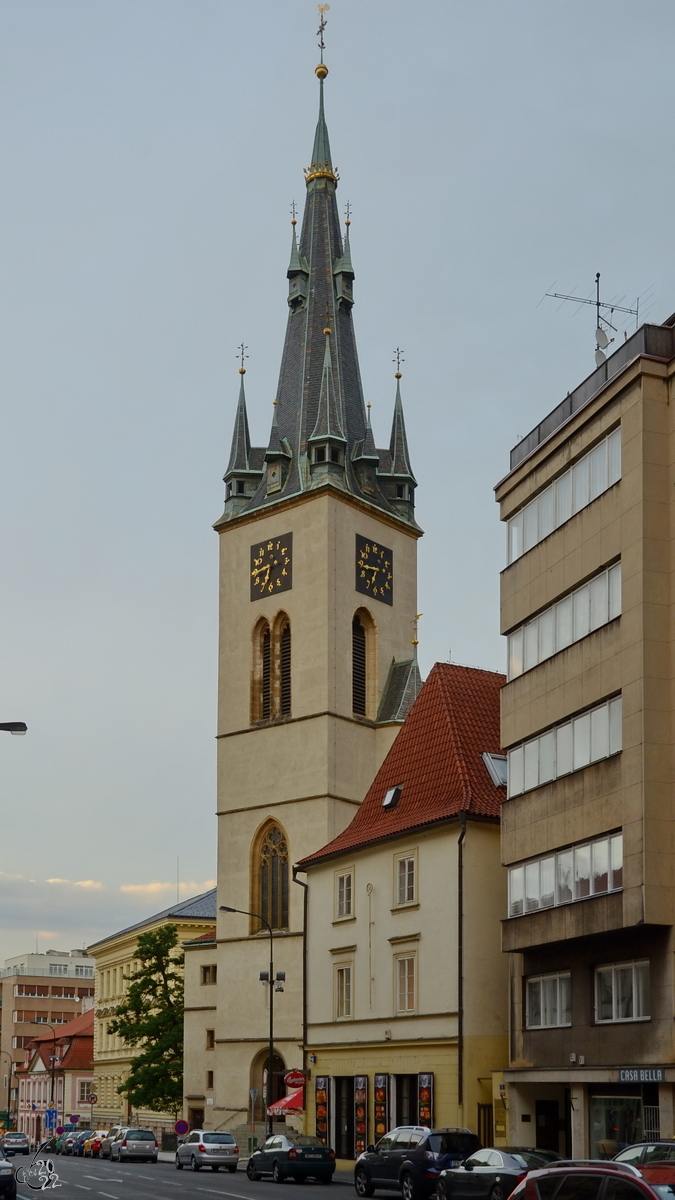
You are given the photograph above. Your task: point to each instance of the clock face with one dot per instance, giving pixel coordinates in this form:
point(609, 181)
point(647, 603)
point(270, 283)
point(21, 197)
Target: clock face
point(374, 570)
point(272, 566)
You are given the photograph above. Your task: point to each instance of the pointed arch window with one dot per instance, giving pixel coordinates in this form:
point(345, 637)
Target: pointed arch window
point(364, 664)
point(273, 867)
point(266, 697)
point(271, 692)
point(285, 670)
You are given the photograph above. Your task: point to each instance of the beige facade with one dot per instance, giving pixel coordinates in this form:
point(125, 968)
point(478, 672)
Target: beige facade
point(115, 960)
point(597, 935)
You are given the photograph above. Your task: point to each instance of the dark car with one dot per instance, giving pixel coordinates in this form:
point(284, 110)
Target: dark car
point(645, 1152)
point(493, 1172)
point(410, 1159)
point(294, 1155)
point(78, 1144)
point(7, 1179)
point(14, 1142)
point(595, 1180)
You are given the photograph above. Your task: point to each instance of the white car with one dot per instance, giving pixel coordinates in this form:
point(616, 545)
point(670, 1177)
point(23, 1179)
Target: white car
point(203, 1148)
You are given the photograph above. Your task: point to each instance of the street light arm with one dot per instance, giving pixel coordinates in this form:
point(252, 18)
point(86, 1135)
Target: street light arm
point(245, 913)
point(19, 727)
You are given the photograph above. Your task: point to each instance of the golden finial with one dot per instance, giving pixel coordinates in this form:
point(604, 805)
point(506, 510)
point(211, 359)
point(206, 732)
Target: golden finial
point(398, 359)
point(241, 353)
point(327, 331)
point(416, 618)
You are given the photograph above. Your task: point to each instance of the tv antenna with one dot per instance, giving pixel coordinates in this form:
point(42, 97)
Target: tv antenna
point(602, 323)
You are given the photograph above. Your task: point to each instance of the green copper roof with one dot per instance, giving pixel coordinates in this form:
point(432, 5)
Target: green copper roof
point(321, 151)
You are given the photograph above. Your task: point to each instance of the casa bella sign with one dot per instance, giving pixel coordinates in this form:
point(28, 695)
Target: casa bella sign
point(642, 1074)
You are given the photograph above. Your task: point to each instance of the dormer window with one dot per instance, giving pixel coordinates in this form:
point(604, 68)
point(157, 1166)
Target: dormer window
point(392, 796)
point(400, 491)
point(335, 455)
point(240, 487)
point(320, 454)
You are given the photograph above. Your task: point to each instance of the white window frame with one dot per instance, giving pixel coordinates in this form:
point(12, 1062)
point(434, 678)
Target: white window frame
point(344, 991)
point(559, 877)
point(572, 491)
point(569, 620)
point(408, 957)
point(586, 738)
point(84, 1089)
point(561, 981)
point(344, 905)
point(636, 967)
point(407, 857)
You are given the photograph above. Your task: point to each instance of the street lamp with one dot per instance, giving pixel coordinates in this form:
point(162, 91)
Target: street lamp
point(9, 1086)
point(16, 727)
point(275, 985)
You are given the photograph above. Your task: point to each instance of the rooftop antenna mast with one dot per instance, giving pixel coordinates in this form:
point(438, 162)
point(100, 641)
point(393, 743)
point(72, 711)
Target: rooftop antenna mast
point(602, 323)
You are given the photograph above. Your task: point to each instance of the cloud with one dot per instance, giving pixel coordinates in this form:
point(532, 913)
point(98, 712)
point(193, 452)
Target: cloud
point(81, 883)
point(187, 888)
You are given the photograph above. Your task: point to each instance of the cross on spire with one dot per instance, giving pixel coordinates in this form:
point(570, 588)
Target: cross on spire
point(323, 9)
point(398, 359)
point(348, 213)
point(293, 212)
point(241, 354)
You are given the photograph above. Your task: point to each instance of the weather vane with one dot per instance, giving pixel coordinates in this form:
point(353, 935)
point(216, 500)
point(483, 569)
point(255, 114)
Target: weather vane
point(398, 359)
point(416, 620)
point(323, 9)
point(241, 354)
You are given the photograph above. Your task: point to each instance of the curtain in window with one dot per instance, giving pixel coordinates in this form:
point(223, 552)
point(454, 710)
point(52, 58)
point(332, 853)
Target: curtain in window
point(274, 878)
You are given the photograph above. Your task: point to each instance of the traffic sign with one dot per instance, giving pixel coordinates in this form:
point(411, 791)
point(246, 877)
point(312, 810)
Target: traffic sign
point(295, 1079)
point(59, 1130)
point(74, 1118)
point(253, 1093)
point(92, 1098)
point(50, 1118)
point(181, 1127)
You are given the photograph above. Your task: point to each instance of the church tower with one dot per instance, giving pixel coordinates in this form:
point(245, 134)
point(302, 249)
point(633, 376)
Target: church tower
point(318, 565)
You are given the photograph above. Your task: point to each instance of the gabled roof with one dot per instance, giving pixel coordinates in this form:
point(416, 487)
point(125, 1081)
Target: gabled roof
point(198, 908)
point(78, 1037)
point(436, 759)
point(80, 1025)
point(209, 936)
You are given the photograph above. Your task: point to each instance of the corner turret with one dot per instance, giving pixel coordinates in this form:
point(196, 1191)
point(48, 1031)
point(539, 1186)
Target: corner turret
point(244, 470)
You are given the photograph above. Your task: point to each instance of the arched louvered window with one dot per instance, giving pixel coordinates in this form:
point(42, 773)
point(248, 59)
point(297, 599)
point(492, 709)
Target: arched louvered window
point(266, 698)
point(285, 670)
point(273, 861)
point(358, 666)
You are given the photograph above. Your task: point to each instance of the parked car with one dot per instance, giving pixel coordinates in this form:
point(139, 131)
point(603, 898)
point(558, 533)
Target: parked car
point(294, 1155)
point(60, 1141)
point(7, 1178)
point(644, 1152)
point(14, 1142)
point(108, 1140)
point(137, 1144)
point(80, 1139)
point(205, 1149)
point(92, 1144)
point(70, 1141)
point(595, 1179)
point(410, 1158)
point(493, 1172)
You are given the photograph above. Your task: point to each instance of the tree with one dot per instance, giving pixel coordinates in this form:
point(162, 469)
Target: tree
point(151, 1016)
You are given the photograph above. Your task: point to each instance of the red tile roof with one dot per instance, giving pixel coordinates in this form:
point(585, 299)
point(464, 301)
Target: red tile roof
point(437, 757)
point(80, 1056)
point(83, 1024)
point(209, 936)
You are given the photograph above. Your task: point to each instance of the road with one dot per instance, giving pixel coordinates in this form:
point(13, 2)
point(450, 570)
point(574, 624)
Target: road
point(84, 1179)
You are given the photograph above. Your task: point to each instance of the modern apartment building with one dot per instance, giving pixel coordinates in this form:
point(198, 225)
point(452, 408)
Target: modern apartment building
point(587, 602)
point(38, 989)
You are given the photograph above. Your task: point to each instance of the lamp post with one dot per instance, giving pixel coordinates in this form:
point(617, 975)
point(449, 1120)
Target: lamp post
point(16, 727)
point(274, 984)
point(9, 1084)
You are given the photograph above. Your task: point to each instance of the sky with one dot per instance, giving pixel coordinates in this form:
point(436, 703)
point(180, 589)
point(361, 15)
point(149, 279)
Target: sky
point(151, 150)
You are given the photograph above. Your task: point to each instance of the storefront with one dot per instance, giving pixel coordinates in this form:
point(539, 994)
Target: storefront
point(586, 1113)
point(352, 1111)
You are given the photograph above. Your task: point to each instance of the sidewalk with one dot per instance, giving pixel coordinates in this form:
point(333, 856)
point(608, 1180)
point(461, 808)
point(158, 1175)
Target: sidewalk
point(346, 1178)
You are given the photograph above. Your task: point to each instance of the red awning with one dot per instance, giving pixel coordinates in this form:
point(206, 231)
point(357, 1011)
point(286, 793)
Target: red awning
point(290, 1103)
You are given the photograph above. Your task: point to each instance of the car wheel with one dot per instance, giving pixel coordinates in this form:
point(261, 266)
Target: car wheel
point(179, 1165)
point(441, 1191)
point(277, 1174)
point(497, 1192)
point(194, 1164)
point(251, 1172)
point(232, 1169)
point(408, 1188)
point(363, 1185)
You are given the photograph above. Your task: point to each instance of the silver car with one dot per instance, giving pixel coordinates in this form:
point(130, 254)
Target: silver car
point(202, 1148)
point(108, 1140)
point(137, 1144)
point(14, 1142)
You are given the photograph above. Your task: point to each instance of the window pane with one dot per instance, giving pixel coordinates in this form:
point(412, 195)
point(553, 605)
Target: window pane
point(549, 988)
point(599, 733)
point(545, 513)
point(603, 995)
point(547, 756)
point(563, 614)
point(563, 498)
point(516, 882)
point(614, 441)
point(623, 992)
point(616, 855)
point(582, 872)
point(547, 881)
point(515, 771)
point(530, 525)
point(563, 749)
point(580, 485)
point(515, 537)
point(565, 1000)
point(564, 867)
point(533, 1003)
point(531, 886)
point(531, 655)
point(531, 764)
point(642, 1005)
point(614, 591)
point(598, 461)
point(515, 654)
point(547, 634)
point(598, 590)
point(581, 735)
point(600, 866)
point(582, 616)
point(615, 735)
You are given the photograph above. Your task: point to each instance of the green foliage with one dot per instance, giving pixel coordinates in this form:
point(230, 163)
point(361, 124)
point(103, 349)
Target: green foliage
point(151, 1017)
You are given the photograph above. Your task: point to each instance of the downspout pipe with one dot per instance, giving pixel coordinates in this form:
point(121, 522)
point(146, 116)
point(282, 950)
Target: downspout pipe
point(460, 964)
point(305, 912)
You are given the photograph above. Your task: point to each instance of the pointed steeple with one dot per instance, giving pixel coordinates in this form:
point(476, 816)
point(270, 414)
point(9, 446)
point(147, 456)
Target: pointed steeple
point(241, 441)
point(321, 156)
point(328, 422)
point(294, 264)
point(244, 469)
point(398, 443)
point(276, 446)
point(369, 450)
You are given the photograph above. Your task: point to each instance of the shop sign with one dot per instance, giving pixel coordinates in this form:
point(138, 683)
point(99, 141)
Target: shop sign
point(425, 1096)
point(321, 1098)
point(295, 1079)
point(642, 1074)
point(360, 1113)
point(381, 1106)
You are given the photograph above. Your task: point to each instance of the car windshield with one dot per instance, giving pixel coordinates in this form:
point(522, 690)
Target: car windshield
point(218, 1139)
point(15, 1135)
point(454, 1143)
point(303, 1139)
point(140, 1135)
